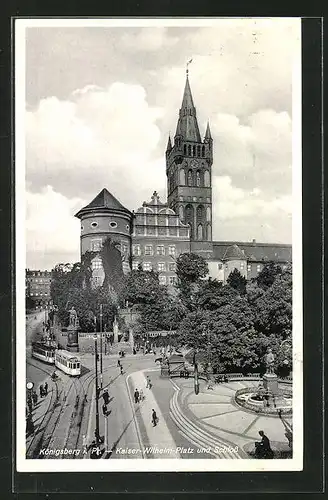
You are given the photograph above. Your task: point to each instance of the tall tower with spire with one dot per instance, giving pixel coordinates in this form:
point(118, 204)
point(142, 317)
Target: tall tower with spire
point(189, 174)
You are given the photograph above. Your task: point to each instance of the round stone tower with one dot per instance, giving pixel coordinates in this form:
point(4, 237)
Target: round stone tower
point(234, 258)
point(105, 217)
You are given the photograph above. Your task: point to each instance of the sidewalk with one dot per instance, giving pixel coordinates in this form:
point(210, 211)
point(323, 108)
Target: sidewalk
point(40, 410)
point(161, 442)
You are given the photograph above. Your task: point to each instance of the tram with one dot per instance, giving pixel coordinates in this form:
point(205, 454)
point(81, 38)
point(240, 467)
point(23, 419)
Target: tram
point(67, 362)
point(44, 351)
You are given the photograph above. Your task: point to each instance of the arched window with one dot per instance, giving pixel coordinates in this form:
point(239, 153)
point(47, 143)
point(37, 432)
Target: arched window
point(189, 218)
point(200, 232)
point(184, 149)
point(189, 150)
point(208, 230)
point(207, 178)
point(182, 177)
point(200, 213)
point(198, 150)
point(181, 213)
point(197, 178)
point(203, 151)
point(194, 150)
point(189, 178)
point(208, 214)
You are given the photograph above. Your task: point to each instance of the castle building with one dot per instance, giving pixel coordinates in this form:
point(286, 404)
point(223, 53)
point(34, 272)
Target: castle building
point(105, 217)
point(158, 232)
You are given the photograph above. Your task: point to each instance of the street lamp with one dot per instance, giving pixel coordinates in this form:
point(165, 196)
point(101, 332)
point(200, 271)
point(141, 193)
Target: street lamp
point(97, 435)
point(101, 348)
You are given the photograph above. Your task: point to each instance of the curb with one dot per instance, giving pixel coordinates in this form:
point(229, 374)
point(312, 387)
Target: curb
point(197, 435)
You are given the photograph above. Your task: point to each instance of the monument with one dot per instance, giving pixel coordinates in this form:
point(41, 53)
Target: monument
point(115, 330)
point(72, 331)
point(270, 378)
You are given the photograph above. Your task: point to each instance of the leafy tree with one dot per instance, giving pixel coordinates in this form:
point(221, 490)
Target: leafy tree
point(212, 295)
point(273, 309)
point(191, 267)
point(237, 281)
point(141, 287)
point(269, 273)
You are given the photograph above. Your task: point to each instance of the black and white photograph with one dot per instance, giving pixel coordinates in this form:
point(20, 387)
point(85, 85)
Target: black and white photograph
point(158, 167)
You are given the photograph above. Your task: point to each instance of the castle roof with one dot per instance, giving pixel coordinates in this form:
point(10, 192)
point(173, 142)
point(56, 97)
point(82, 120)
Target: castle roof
point(103, 201)
point(253, 251)
point(187, 125)
point(234, 252)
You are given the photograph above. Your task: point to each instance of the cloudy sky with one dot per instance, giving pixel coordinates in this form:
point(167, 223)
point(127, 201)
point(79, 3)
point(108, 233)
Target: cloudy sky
point(101, 101)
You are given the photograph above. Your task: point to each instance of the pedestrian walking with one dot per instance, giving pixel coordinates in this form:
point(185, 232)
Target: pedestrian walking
point(148, 382)
point(34, 397)
point(118, 363)
point(141, 395)
point(46, 388)
point(136, 396)
point(41, 391)
point(121, 369)
point(30, 406)
point(154, 418)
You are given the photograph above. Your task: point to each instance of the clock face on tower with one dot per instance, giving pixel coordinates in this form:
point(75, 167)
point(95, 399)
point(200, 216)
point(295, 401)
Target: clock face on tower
point(194, 163)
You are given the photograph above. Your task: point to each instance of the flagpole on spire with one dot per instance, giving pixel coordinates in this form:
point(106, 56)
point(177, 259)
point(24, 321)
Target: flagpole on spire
point(187, 70)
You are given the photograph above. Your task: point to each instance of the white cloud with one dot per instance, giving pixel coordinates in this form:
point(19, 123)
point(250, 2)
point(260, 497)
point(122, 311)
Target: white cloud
point(50, 225)
point(106, 124)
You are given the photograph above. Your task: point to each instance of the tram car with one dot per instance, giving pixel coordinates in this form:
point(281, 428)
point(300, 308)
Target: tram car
point(44, 351)
point(67, 362)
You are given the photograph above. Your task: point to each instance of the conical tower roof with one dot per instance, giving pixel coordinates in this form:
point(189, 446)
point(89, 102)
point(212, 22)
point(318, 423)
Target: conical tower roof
point(187, 125)
point(234, 253)
point(169, 144)
point(208, 135)
point(104, 200)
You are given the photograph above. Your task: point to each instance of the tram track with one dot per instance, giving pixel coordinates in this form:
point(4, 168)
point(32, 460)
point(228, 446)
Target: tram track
point(46, 435)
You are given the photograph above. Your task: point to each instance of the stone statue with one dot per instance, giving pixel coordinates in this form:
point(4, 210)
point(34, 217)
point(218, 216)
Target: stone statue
point(269, 361)
point(73, 319)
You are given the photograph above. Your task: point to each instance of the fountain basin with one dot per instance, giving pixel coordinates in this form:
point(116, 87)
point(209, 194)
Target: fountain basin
point(249, 398)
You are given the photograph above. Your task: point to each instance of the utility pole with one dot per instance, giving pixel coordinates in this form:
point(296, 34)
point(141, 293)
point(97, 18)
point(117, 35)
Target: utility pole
point(97, 436)
point(101, 349)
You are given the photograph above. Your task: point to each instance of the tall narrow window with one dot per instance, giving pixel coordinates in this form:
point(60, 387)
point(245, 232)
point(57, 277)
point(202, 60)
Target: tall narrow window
point(194, 150)
point(200, 213)
point(182, 177)
point(203, 151)
point(189, 178)
point(209, 231)
point(189, 218)
point(208, 214)
point(197, 178)
point(200, 232)
point(207, 178)
point(189, 150)
point(181, 213)
point(184, 149)
point(198, 150)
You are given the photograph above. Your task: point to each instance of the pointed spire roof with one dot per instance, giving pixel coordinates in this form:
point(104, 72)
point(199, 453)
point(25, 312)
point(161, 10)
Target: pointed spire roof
point(104, 200)
point(208, 135)
point(169, 144)
point(187, 125)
